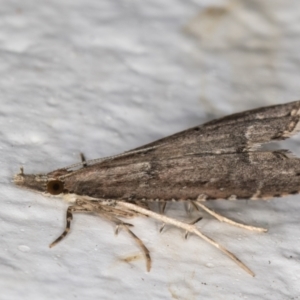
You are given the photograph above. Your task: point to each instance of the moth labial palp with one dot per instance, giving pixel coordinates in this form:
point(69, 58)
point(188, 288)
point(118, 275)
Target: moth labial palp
point(220, 159)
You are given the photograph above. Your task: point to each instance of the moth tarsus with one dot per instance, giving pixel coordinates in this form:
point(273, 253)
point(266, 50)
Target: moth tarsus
point(192, 223)
point(217, 160)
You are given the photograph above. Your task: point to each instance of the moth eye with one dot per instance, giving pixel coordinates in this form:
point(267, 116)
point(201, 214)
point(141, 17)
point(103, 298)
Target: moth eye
point(55, 187)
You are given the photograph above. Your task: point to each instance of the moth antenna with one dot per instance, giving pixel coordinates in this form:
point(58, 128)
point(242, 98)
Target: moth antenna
point(226, 220)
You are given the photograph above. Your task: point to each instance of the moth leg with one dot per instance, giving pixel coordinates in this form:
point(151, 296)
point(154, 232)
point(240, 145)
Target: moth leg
point(187, 227)
point(162, 207)
point(136, 238)
point(117, 229)
point(162, 227)
point(142, 245)
point(225, 220)
point(83, 160)
point(189, 206)
point(110, 215)
point(192, 223)
point(69, 217)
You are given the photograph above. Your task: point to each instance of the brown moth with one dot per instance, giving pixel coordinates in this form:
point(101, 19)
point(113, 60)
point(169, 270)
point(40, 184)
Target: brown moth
point(217, 160)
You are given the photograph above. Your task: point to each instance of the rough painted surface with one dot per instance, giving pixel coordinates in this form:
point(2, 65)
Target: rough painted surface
point(102, 77)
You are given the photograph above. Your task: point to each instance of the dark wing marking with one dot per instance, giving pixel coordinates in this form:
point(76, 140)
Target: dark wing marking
point(252, 175)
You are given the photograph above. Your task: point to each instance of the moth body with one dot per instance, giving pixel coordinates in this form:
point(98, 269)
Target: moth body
point(220, 159)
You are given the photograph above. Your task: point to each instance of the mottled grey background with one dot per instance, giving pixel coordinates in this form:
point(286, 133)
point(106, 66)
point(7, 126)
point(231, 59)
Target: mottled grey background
point(102, 77)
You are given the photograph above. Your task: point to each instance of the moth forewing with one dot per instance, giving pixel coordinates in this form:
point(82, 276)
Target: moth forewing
point(216, 160)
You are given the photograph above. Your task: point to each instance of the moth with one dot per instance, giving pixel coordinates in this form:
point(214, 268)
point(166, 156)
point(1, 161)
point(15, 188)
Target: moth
point(220, 159)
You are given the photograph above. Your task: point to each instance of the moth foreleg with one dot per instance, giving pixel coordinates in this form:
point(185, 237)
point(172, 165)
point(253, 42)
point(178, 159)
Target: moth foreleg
point(69, 217)
point(226, 220)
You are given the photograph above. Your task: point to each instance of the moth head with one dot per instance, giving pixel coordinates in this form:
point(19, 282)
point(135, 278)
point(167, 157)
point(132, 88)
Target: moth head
point(39, 183)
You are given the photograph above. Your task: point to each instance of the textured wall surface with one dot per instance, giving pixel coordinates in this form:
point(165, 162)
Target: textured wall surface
point(102, 77)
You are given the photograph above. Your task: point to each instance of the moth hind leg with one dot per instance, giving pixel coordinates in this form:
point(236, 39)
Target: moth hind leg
point(228, 221)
